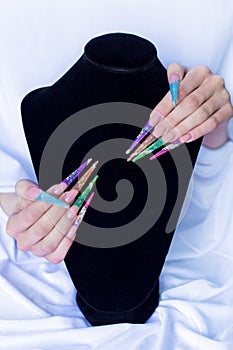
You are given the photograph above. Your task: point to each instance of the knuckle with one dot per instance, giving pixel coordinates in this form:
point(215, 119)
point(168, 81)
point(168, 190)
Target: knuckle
point(55, 259)
point(205, 112)
point(219, 81)
point(226, 96)
point(10, 229)
point(205, 70)
point(22, 245)
point(213, 122)
point(194, 100)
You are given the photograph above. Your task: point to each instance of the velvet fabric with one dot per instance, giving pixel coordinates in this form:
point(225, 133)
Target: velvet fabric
point(119, 284)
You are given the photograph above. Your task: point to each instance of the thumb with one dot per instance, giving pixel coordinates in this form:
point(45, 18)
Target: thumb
point(26, 192)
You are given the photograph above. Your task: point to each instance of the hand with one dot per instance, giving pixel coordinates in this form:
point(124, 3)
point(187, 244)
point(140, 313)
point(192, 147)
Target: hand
point(44, 229)
point(203, 104)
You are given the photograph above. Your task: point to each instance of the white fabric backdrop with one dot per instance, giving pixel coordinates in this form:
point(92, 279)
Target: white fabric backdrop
point(39, 41)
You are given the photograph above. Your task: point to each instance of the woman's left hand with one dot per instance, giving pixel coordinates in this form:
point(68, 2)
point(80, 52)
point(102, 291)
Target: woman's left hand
point(203, 103)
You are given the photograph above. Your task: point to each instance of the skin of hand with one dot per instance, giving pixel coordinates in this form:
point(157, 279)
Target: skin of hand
point(39, 227)
point(203, 105)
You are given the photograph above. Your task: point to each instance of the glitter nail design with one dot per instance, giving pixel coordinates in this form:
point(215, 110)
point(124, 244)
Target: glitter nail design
point(166, 149)
point(85, 177)
point(69, 179)
point(157, 144)
point(174, 90)
point(151, 138)
point(83, 211)
point(83, 196)
point(145, 130)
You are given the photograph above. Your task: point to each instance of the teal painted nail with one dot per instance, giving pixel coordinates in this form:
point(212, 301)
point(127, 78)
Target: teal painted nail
point(47, 198)
point(157, 144)
point(83, 196)
point(174, 89)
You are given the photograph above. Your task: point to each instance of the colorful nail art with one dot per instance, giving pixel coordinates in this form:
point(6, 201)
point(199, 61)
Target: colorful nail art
point(174, 84)
point(79, 185)
point(83, 211)
point(83, 196)
point(157, 144)
point(47, 198)
point(150, 139)
point(69, 179)
point(166, 149)
point(145, 130)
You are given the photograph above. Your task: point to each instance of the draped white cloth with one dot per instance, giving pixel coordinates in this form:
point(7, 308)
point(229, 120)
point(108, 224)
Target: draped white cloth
point(39, 41)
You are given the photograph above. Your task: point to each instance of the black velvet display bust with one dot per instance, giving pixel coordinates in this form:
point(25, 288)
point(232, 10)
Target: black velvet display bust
point(117, 284)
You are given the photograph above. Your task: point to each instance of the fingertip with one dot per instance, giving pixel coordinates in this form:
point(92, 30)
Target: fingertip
point(175, 72)
point(27, 189)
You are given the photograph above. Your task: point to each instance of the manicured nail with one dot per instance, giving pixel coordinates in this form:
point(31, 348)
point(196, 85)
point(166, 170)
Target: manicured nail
point(157, 144)
point(69, 179)
point(59, 189)
point(83, 196)
point(150, 139)
point(47, 198)
point(79, 185)
point(72, 212)
point(33, 192)
point(186, 137)
point(145, 130)
point(159, 131)
point(169, 137)
point(70, 195)
point(83, 211)
point(166, 149)
point(159, 154)
point(174, 83)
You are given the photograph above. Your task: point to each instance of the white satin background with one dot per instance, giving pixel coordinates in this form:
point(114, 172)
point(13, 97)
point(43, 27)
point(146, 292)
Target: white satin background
point(39, 41)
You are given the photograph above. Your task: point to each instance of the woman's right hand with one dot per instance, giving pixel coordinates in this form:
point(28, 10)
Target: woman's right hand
point(44, 229)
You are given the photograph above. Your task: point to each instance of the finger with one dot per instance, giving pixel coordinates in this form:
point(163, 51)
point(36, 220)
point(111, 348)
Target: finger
point(207, 109)
point(45, 224)
point(175, 71)
point(51, 242)
point(59, 254)
point(191, 81)
point(188, 106)
point(26, 192)
point(219, 116)
point(32, 212)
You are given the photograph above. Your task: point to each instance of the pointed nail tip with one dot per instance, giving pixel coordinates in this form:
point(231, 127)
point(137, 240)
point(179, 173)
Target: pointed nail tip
point(128, 151)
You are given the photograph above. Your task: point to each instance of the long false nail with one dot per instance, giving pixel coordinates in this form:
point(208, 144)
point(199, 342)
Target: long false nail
point(62, 186)
point(145, 130)
point(157, 144)
point(47, 198)
point(174, 83)
point(69, 179)
point(72, 231)
point(149, 140)
point(83, 211)
point(166, 149)
point(83, 196)
point(79, 185)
